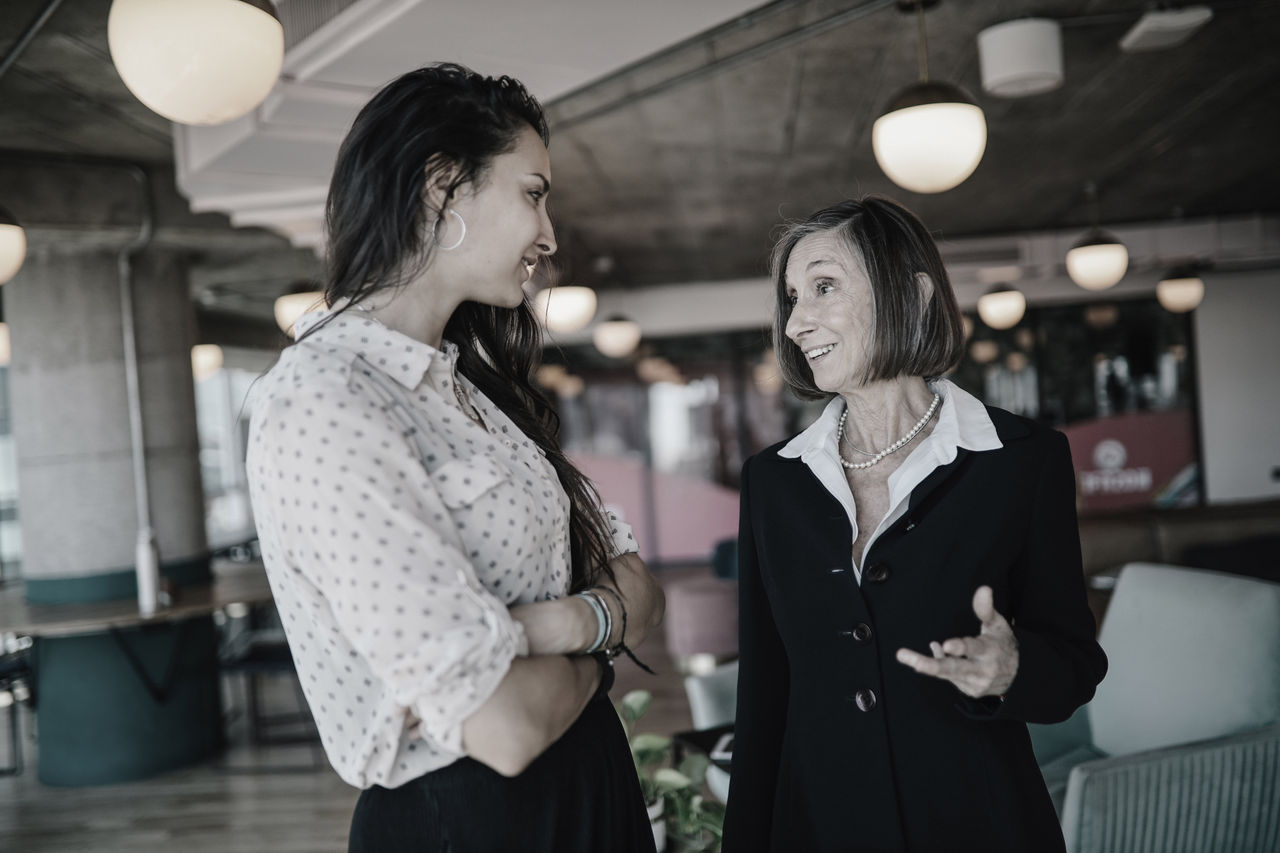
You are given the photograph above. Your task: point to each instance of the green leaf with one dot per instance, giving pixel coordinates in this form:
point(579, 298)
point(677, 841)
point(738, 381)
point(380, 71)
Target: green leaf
point(671, 780)
point(635, 704)
point(695, 767)
point(649, 740)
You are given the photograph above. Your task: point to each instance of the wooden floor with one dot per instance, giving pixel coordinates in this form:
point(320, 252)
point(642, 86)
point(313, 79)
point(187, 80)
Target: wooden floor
point(219, 808)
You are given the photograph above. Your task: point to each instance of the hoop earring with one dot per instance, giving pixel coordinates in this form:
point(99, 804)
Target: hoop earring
point(436, 228)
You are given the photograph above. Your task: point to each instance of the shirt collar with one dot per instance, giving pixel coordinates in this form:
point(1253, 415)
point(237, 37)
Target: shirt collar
point(353, 334)
point(963, 422)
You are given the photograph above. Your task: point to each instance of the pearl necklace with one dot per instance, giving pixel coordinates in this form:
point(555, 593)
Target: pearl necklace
point(896, 446)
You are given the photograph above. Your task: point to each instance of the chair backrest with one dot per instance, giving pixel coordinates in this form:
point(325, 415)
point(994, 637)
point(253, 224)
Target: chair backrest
point(713, 698)
point(1193, 655)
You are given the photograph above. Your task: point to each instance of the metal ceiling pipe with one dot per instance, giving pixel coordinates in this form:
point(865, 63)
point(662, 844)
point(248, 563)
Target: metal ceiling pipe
point(25, 39)
point(146, 554)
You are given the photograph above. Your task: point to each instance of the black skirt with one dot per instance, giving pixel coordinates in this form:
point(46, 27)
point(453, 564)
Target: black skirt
point(580, 796)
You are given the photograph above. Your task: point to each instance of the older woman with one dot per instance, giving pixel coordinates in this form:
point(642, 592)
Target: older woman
point(911, 585)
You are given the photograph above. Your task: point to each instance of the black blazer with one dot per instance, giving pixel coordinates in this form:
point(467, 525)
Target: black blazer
point(837, 746)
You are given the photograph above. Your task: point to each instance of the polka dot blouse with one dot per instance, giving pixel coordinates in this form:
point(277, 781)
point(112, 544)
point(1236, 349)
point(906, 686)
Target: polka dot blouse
point(397, 531)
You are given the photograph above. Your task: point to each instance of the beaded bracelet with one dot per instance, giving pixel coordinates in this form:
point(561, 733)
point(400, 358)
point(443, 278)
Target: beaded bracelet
point(621, 646)
point(604, 619)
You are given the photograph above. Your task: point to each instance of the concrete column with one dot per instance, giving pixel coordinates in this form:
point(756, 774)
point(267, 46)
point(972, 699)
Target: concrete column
point(71, 422)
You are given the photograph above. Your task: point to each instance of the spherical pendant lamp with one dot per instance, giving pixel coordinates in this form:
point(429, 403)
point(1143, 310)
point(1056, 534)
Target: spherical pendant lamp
point(932, 135)
point(1002, 306)
point(197, 61)
point(1097, 260)
point(291, 306)
point(13, 246)
point(1180, 291)
point(930, 138)
point(566, 308)
point(617, 337)
point(206, 361)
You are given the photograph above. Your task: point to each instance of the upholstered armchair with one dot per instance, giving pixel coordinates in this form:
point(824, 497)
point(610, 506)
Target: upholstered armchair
point(1180, 748)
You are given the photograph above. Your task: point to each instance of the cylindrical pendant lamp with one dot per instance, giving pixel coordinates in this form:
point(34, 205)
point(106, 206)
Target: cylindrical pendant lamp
point(1021, 57)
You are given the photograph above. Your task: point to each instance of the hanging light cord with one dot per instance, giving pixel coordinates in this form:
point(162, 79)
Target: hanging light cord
point(922, 44)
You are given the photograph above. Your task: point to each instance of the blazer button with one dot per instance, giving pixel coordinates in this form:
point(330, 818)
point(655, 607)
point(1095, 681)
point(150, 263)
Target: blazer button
point(865, 699)
point(877, 573)
point(861, 632)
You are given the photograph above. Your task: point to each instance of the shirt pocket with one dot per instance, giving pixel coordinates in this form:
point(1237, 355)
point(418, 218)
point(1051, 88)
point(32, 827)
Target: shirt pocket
point(462, 482)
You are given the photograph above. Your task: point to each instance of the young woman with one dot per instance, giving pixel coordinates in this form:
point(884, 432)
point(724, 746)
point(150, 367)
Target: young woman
point(421, 528)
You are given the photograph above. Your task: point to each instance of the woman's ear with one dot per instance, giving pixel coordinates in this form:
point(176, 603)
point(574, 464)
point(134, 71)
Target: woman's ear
point(440, 173)
point(926, 287)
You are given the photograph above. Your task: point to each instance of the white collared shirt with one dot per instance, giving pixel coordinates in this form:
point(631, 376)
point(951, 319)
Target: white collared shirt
point(397, 532)
point(962, 422)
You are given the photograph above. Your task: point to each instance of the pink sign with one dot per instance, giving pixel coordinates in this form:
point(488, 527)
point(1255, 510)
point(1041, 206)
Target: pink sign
point(1135, 460)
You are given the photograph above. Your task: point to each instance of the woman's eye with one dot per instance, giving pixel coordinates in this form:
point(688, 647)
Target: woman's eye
point(792, 299)
point(825, 286)
point(536, 195)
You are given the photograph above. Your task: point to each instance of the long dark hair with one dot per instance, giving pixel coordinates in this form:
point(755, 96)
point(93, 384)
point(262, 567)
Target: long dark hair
point(913, 335)
point(438, 120)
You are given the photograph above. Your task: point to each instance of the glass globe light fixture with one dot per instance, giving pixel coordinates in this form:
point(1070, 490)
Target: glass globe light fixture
point(197, 61)
point(206, 360)
point(291, 306)
point(13, 246)
point(930, 138)
point(617, 337)
point(1180, 291)
point(932, 135)
point(1097, 260)
point(566, 308)
point(1002, 306)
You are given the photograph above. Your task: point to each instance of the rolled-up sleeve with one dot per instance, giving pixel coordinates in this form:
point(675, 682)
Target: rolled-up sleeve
point(357, 515)
point(624, 540)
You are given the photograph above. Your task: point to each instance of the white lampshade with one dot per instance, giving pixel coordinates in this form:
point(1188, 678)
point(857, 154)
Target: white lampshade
point(984, 352)
point(930, 139)
point(206, 360)
point(1021, 57)
point(1002, 307)
point(565, 309)
point(571, 386)
point(196, 61)
point(1097, 261)
point(5, 350)
point(13, 246)
point(291, 306)
point(1181, 293)
point(617, 337)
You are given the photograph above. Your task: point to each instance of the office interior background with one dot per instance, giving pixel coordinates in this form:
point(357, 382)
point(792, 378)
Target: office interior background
point(682, 135)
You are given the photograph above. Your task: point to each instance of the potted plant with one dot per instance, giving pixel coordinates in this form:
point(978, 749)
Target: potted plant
point(673, 795)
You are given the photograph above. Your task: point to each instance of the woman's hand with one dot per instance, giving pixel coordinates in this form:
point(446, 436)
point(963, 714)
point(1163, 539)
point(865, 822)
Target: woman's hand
point(567, 626)
point(979, 666)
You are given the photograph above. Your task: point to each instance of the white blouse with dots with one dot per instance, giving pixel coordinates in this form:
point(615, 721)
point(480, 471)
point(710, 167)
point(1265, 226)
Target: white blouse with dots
point(396, 532)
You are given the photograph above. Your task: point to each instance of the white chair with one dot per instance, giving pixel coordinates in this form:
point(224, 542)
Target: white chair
point(1180, 748)
point(713, 701)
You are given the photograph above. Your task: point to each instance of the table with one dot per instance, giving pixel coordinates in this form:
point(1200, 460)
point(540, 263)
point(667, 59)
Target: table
point(233, 583)
point(121, 696)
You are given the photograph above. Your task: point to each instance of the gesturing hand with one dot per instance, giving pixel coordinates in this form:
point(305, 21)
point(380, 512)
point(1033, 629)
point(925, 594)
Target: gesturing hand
point(984, 665)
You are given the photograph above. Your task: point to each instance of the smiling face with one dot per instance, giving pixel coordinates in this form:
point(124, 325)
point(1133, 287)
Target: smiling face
point(507, 227)
point(832, 311)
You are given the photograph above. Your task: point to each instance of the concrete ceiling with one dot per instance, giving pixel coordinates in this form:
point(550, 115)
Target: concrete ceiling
point(677, 166)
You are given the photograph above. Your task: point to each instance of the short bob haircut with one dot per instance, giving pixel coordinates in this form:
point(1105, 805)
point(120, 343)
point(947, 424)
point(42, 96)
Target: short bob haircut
point(913, 335)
